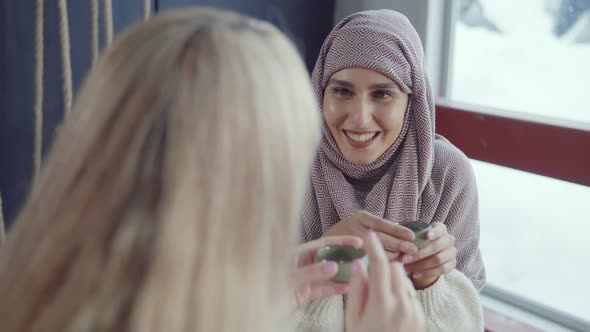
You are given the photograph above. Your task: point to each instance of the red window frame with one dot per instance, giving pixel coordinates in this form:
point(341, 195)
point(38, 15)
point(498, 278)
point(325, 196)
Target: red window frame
point(546, 149)
point(540, 147)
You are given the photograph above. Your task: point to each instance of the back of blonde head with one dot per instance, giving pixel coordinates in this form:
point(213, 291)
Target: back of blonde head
point(170, 200)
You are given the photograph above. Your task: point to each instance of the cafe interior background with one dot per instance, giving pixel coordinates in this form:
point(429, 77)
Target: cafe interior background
point(510, 79)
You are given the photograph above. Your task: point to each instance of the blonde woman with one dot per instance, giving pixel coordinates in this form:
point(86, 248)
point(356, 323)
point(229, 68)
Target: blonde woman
point(169, 201)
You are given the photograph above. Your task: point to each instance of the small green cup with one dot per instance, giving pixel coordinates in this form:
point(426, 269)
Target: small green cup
point(420, 230)
point(343, 256)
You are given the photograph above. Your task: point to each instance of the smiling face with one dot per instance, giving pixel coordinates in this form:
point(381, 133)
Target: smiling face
point(365, 112)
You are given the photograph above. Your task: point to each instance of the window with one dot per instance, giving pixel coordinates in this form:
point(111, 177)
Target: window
point(533, 236)
point(530, 57)
point(524, 55)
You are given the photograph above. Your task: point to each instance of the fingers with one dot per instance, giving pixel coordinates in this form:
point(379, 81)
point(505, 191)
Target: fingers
point(338, 240)
point(393, 256)
point(379, 274)
point(437, 231)
point(433, 261)
point(312, 282)
point(398, 279)
point(305, 252)
point(318, 272)
point(436, 271)
point(385, 226)
point(393, 244)
point(440, 244)
point(408, 304)
point(357, 295)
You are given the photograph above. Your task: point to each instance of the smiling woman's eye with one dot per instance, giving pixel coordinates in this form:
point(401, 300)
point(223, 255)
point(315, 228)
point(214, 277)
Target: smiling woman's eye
point(382, 94)
point(342, 91)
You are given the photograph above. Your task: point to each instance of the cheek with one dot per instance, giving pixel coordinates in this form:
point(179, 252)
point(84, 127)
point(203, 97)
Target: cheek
point(391, 120)
point(332, 114)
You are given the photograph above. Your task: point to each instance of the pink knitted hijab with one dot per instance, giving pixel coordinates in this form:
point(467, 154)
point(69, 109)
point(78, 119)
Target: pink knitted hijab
point(404, 183)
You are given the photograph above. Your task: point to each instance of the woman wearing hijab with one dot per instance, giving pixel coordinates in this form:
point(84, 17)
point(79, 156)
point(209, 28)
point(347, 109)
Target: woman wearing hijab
point(380, 163)
point(152, 214)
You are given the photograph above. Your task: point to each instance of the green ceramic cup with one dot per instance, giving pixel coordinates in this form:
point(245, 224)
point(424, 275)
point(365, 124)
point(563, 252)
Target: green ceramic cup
point(420, 230)
point(343, 256)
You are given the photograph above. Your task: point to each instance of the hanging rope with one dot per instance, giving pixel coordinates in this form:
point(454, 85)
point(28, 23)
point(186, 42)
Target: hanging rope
point(147, 9)
point(2, 230)
point(94, 12)
point(108, 21)
point(39, 50)
point(65, 55)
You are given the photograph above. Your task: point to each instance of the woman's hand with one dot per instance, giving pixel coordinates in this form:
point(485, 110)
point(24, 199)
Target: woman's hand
point(395, 238)
point(385, 300)
point(439, 257)
point(310, 280)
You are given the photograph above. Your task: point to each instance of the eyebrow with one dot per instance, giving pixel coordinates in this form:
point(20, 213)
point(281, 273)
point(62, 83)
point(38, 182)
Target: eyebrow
point(340, 82)
point(385, 86)
point(390, 85)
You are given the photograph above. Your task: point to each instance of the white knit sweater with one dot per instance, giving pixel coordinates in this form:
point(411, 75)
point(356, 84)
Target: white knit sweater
point(451, 304)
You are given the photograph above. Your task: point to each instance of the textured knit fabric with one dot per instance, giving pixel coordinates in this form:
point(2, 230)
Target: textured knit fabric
point(421, 176)
point(451, 304)
point(324, 315)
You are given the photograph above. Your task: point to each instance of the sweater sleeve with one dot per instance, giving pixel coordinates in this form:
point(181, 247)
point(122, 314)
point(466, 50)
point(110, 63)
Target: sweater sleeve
point(458, 208)
point(324, 315)
point(452, 304)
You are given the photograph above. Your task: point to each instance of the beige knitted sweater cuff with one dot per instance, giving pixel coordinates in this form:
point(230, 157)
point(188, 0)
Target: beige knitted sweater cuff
point(451, 304)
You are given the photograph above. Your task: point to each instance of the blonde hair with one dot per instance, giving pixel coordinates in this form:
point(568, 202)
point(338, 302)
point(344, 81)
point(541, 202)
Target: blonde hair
point(171, 198)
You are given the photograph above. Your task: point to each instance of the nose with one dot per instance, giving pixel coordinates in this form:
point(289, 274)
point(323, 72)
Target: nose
point(361, 115)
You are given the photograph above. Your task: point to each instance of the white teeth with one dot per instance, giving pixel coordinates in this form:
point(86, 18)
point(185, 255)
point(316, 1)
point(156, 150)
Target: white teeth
point(360, 138)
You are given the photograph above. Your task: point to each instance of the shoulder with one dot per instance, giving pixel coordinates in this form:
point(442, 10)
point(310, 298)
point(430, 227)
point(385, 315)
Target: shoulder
point(451, 166)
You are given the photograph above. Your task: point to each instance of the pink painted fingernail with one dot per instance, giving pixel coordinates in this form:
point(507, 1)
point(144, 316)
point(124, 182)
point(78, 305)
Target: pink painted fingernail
point(417, 275)
point(329, 267)
point(355, 266)
point(408, 259)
